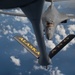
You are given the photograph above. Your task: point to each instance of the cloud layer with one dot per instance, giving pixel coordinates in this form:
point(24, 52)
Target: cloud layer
point(15, 61)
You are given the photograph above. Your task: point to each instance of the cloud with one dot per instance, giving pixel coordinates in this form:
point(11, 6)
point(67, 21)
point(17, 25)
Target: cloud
point(36, 67)
point(10, 38)
point(61, 30)
point(36, 61)
point(46, 5)
point(15, 31)
point(21, 19)
point(59, 7)
point(24, 51)
point(20, 73)
point(0, 36)
point(51, 70)
point(3, 15)
point(71, 29)
point(56, 71)
point(39, 68)
point(72, 20)
point(29, 72)
point(50, 44)
point(58, 38)
point(35, 43)
point(5, 32)
point(6, 29)
point(66, 47)
point(15, 61)
point(18, 10)
point(9, 31)
point(24, 30)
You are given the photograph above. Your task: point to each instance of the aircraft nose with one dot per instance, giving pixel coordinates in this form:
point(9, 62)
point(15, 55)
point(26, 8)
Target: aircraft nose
point(49, 32)
point(49, 29)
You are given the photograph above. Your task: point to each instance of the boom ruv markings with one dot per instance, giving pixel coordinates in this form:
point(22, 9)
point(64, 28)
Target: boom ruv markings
point(28, 46)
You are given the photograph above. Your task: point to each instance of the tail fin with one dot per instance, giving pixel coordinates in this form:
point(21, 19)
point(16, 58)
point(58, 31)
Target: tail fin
point(61, 45)
point(28, 46)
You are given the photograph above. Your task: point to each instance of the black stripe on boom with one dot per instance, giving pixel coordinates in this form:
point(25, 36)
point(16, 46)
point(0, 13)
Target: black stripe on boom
point(61, 45)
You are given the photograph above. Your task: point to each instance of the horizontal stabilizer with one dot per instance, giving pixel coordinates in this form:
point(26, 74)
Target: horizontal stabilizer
point(13, 14)
point(28, 46)
point(61, 45)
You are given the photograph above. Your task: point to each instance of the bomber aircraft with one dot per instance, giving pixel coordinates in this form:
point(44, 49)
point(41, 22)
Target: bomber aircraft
point(50, 19)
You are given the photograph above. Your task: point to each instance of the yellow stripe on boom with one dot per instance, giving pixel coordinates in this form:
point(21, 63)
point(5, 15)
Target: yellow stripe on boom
point(28, 46)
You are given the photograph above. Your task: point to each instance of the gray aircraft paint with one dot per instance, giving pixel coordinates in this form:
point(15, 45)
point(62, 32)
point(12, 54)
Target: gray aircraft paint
point(52, 15)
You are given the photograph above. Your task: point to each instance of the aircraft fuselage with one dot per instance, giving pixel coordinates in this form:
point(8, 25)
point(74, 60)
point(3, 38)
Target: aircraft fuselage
point(51, 18)
point(8, 4)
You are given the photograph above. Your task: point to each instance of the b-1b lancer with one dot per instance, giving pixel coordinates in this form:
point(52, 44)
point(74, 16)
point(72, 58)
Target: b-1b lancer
point(50, 19)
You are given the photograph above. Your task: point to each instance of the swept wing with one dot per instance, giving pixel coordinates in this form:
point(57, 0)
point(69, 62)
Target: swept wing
point(12, 13)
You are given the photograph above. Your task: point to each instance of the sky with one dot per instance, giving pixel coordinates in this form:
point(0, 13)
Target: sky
point(16, 60)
